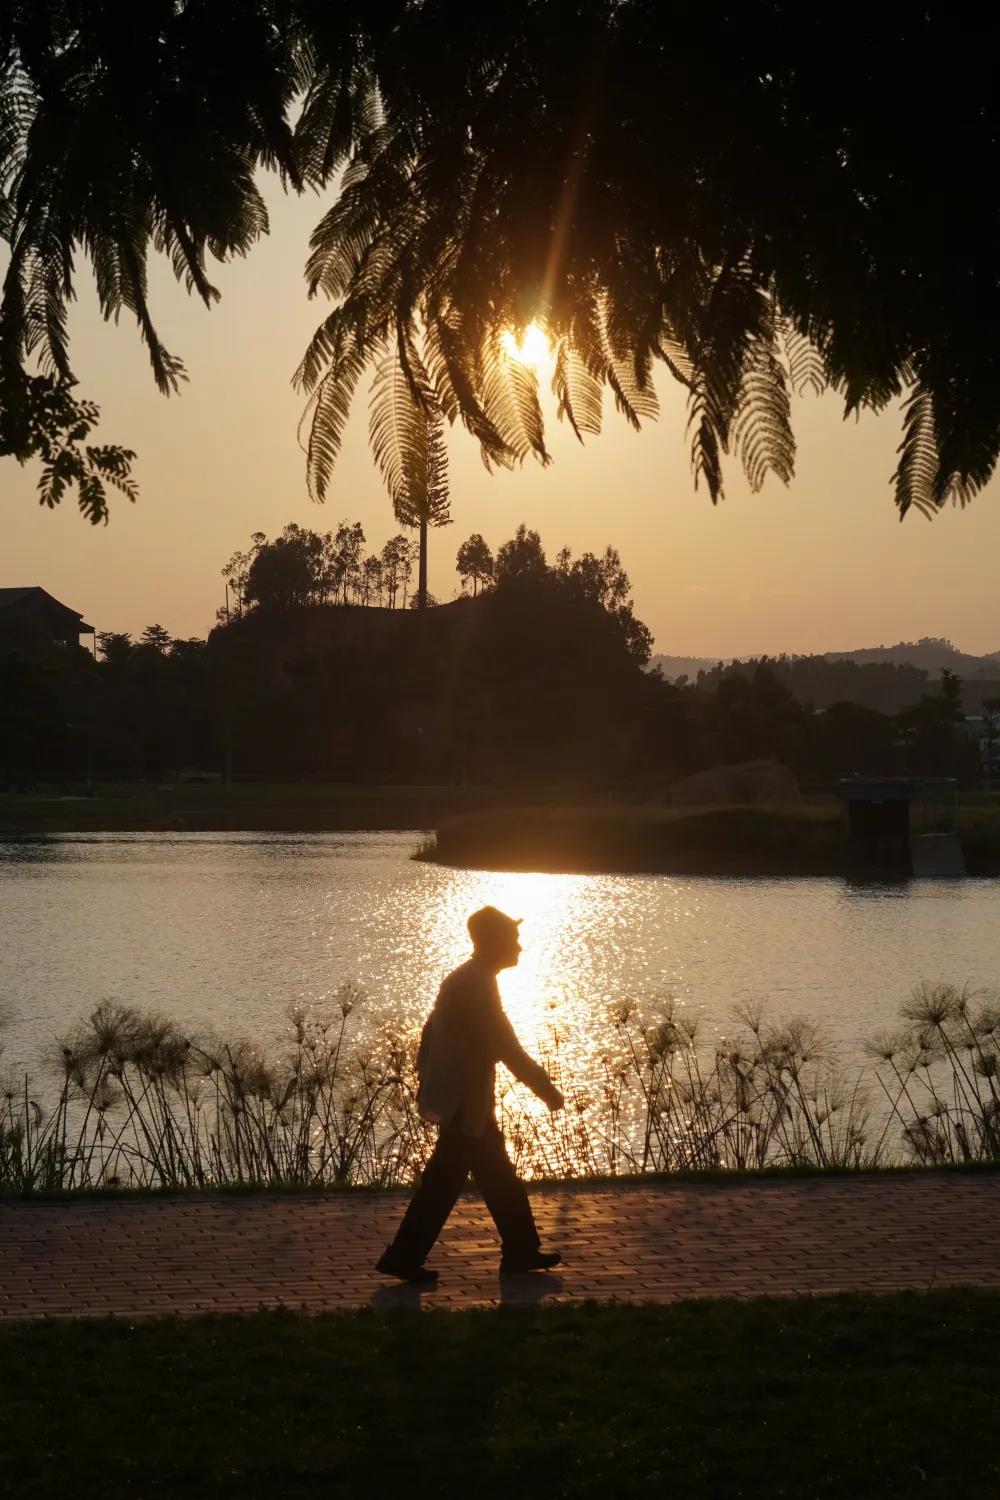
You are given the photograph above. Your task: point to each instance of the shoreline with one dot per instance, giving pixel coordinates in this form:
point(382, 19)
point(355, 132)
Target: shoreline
point(480, 829)
point(730, 867)
point(250, 807)
point(751, 842)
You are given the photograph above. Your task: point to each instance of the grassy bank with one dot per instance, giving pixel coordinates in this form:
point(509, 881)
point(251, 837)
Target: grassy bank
point(979, 826)
point(483, 828)
point(805, 839)
point(248, 806)
point(265, 806)
point(891, 1396)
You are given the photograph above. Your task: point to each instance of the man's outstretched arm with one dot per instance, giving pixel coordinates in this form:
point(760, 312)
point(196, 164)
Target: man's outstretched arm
point(524, 1068)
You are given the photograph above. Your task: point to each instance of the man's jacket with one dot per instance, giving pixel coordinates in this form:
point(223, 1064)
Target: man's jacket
point(464, 1037)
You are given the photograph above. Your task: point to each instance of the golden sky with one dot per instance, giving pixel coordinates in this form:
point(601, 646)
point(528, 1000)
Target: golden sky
point(823, 565)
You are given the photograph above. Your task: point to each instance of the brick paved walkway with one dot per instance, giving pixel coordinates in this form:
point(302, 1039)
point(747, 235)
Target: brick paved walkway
point(137, 1256)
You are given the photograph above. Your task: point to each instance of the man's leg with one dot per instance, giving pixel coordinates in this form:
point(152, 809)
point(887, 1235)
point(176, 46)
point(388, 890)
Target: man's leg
point(504, 1195)
point(435, 1197)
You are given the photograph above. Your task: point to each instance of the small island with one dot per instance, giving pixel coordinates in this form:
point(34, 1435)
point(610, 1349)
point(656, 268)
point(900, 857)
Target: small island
point(809, 838)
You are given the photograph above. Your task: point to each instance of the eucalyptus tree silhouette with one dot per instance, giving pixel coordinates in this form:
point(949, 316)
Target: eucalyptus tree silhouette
point(474, 563)
point(792, 196)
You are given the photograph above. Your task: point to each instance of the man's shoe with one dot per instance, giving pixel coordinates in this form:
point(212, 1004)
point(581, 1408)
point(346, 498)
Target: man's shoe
point(390, 1266)
point(538, 1260)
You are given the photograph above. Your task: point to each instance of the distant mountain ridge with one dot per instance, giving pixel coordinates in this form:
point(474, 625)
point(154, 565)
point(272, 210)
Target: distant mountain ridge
point(673, 667)
point(931, 654)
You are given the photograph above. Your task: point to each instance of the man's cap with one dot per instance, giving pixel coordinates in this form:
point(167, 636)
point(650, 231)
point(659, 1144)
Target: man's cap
point(488, 925)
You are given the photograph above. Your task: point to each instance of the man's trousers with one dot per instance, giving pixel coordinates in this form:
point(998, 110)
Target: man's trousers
point(453, 1158)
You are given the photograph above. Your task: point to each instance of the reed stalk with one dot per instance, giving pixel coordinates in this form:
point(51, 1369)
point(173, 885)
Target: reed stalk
point(136, 1103)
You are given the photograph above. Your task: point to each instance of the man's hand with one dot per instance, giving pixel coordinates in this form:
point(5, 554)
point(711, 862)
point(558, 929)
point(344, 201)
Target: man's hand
point(553, 1098)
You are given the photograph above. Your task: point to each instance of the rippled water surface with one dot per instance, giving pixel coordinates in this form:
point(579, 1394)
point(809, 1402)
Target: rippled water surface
point(227, 930)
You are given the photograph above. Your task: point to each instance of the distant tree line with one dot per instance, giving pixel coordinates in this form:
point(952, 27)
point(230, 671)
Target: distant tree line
point(535, 674)
point(315, 669)
point(535, 671)
point(602, 580)
point(145, 709)
point(530, 680)
point(750, 712)
point(887, 687)
point(302, 567)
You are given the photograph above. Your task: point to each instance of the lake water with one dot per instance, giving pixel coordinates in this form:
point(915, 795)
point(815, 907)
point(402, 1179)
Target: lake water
point(226, 930)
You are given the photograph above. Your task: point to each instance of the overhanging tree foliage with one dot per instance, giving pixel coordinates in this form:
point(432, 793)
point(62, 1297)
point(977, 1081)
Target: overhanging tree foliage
point(767, 200)
point(125, 128)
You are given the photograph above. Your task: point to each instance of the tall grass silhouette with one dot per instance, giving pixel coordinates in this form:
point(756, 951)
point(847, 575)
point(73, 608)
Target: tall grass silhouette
point(128, 1099)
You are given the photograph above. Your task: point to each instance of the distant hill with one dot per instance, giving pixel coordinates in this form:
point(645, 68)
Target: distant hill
point(684, 666)
point(501, 688)
point(931, 654)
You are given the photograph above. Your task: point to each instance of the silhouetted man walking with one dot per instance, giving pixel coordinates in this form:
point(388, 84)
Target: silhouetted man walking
point(464, 1037)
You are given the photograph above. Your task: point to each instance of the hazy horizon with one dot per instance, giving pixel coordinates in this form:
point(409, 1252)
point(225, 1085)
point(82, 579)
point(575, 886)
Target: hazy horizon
point(858, 648)
point(822, 566)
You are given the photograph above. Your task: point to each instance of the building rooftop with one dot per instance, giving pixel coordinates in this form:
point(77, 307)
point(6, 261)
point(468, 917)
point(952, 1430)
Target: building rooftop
point(9, 597)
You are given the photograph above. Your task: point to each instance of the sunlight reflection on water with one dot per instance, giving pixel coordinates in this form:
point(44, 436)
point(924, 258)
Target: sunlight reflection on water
point(228, 929)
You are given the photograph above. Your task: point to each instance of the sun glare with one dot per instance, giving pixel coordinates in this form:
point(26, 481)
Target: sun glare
point(532, 348)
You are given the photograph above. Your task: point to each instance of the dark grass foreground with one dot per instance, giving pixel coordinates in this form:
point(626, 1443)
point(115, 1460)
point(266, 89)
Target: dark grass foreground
point(888, 1396)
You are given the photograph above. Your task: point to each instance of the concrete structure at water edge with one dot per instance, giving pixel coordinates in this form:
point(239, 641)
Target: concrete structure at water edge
point(879, 831)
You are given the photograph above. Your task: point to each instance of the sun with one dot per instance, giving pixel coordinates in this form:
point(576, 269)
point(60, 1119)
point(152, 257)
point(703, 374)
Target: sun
point(532, 348)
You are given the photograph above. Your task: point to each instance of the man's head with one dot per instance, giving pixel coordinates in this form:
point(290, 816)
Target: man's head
point(495, 937)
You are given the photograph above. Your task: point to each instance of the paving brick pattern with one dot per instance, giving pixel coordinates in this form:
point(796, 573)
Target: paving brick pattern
point(134, 1257)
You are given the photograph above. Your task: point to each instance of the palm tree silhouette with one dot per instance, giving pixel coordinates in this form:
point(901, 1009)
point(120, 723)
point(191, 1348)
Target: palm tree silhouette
point(425, 501)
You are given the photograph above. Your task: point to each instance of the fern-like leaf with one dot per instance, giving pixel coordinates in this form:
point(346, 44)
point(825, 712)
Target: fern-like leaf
point(676, 358)
point(706, 461)
point(448, 361)
point(398, 433)
point(917, 471)
point(578, 392)
point(806, 367)
point(762, 433)
point(510, 401)
point(328, 410)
